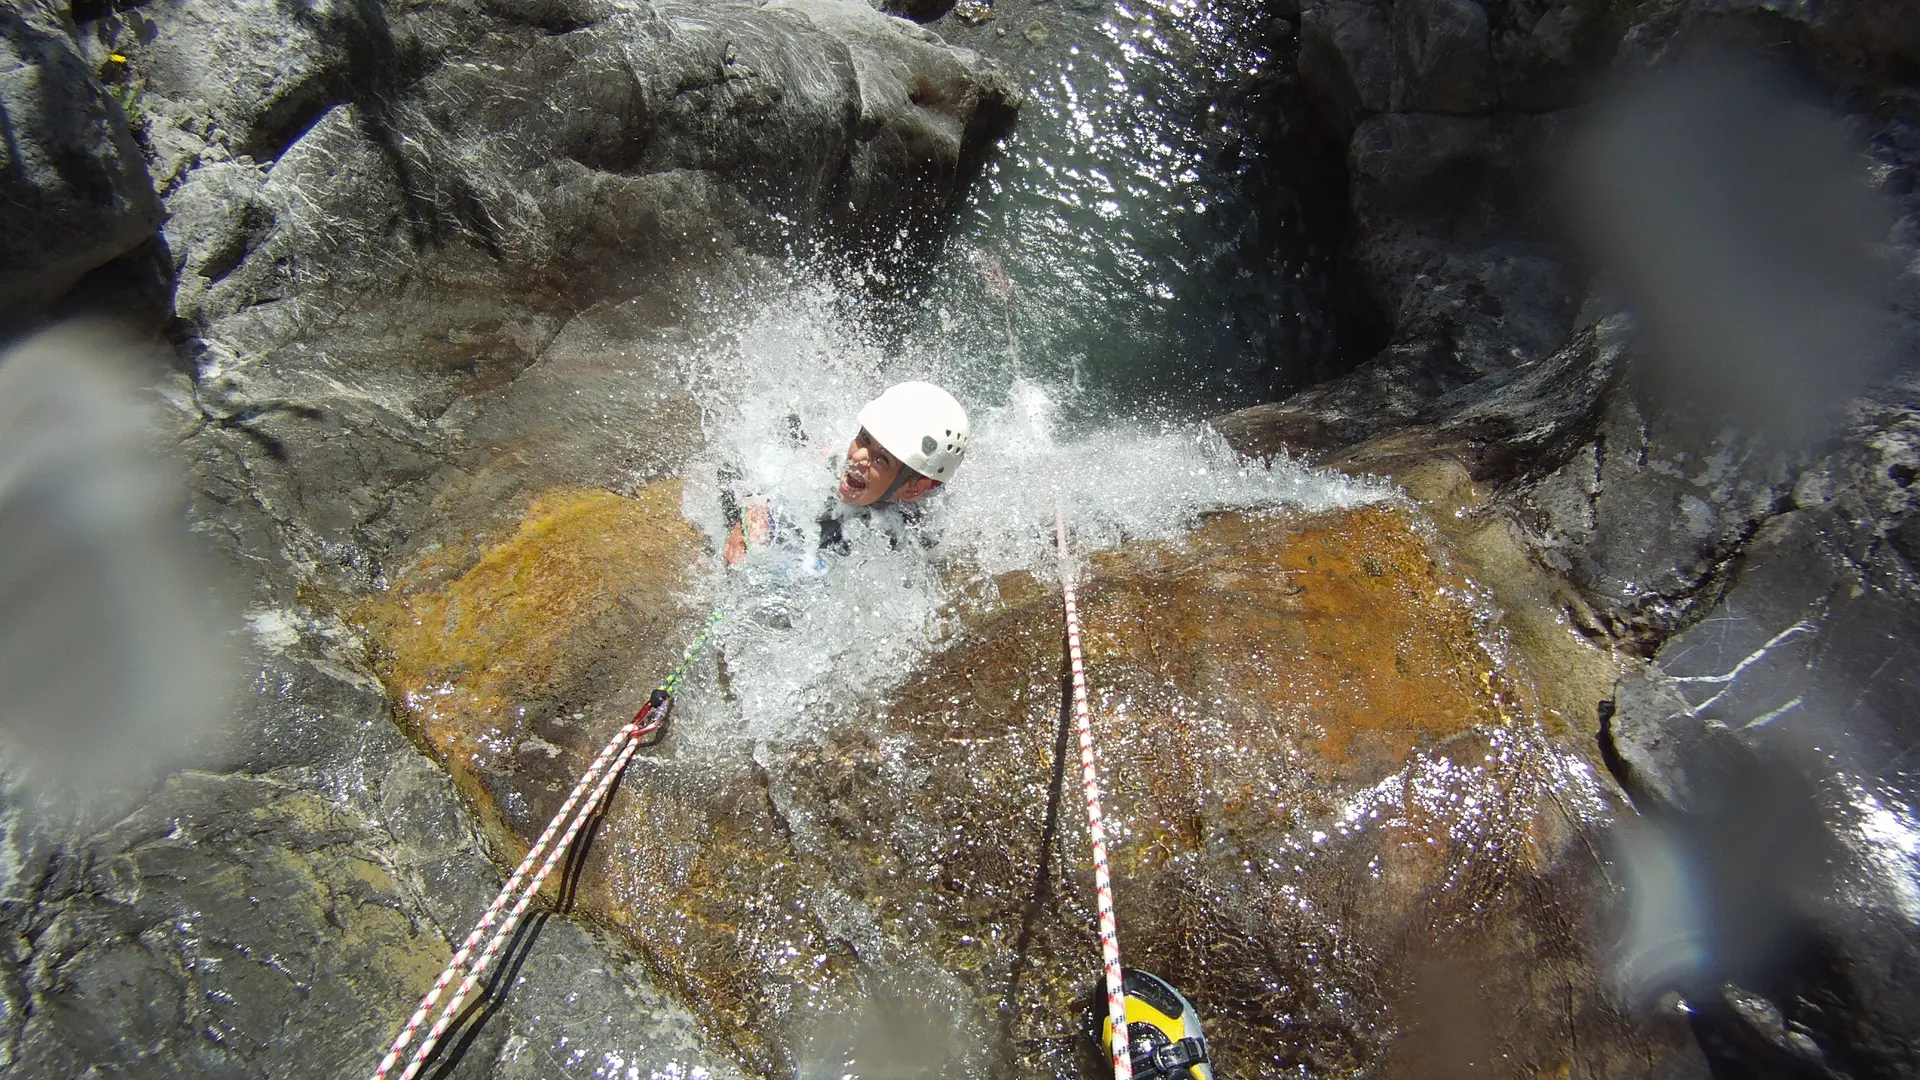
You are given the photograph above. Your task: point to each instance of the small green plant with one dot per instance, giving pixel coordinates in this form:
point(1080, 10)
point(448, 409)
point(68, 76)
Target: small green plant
point(127, 90)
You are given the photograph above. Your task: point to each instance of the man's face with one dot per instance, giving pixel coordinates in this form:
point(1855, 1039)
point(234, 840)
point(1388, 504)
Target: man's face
point(869, 473)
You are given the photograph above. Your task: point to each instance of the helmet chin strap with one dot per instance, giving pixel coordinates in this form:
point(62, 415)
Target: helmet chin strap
point(899, 480)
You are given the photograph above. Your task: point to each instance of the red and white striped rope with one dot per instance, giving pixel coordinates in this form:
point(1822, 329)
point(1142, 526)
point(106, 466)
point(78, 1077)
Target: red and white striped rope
point(505, 932)
point(506, 894)
point(597, 778)
point(1096, 828)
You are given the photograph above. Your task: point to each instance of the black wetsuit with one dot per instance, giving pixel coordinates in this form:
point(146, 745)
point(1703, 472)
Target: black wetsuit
point(898, 520)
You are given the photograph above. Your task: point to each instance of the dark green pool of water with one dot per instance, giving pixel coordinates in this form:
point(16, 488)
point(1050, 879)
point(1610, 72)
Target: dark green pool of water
point(1165, 218)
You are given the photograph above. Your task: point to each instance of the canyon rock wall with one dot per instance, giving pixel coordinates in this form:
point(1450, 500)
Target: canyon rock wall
point(77, 194)
point(1756, 555)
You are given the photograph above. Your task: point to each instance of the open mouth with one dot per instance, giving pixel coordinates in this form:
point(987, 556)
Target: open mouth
point(852, 484)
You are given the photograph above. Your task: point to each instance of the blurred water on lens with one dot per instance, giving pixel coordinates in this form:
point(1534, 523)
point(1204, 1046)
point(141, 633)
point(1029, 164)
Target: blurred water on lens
point(1744, 234)
point(1735, 218)
point(111, 652)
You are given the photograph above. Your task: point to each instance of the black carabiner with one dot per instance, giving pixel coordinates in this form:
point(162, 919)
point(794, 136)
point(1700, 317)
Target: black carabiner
point(658, 711)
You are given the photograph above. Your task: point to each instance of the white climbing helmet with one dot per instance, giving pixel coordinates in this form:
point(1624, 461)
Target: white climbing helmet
point(920, 424)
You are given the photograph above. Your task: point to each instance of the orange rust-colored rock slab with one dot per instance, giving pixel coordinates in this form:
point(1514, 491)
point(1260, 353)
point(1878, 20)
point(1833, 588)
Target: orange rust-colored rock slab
point(1330, 799)
point(514, 660)
point(1343, 628)
point(1313, 760)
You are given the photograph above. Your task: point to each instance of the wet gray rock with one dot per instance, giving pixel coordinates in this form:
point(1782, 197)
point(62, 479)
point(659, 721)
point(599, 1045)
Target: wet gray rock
point(1873, 41)
point(548, 154)
point(252, 73)
point(1517, 424)
point(213, 219)
point(278, 909)
point(554, 16)
point(1450, 242)
point(1457, 262)
point(1453, 265)
point(926, 113)
point(1346, 60)
point(75, 189)
point(1769, 575)
point(1713, 441)
point(1646, 517)
point(685, 136)
point(1546, 55)
point(1359, 58)
point(1443, 53)
point(1771, 580)
point(1770, 741)
point(1449, 249)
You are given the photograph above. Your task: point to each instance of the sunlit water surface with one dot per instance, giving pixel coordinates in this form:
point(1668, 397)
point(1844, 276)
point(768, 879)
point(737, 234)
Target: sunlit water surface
point(1154, 232)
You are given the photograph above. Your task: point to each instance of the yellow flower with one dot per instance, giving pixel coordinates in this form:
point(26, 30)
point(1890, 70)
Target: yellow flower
point(117, 58)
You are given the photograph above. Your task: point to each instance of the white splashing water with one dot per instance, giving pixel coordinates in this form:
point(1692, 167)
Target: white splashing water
point(1886, 837)
point(806, 636)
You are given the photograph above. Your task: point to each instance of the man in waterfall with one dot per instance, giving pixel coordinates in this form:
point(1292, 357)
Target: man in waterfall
point(911, 441)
